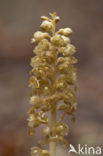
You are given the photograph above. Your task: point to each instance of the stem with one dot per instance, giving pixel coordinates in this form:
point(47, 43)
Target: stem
point(52, 144)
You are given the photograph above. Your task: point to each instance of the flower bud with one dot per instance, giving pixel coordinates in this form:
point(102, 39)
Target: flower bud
point(45, 18)
point(65, 31)
point(46, 25)
point(57, 19)
point(38, 36)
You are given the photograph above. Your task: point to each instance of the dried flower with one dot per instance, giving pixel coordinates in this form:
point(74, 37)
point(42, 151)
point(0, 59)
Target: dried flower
point(53, 78)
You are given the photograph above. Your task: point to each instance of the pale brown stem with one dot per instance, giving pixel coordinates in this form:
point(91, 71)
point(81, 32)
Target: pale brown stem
point(52, 144)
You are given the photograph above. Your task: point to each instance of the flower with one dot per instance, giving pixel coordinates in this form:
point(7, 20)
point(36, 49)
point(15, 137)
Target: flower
point(46, 25)
point(36, 151)
point(34, 99)
point(57, 19)
point(38, 36)
point(66, 40)
point(65, 31)
point(34, 82)
point(68, 50)
point(61, 129)
point(57, 40)
point(31, 121)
